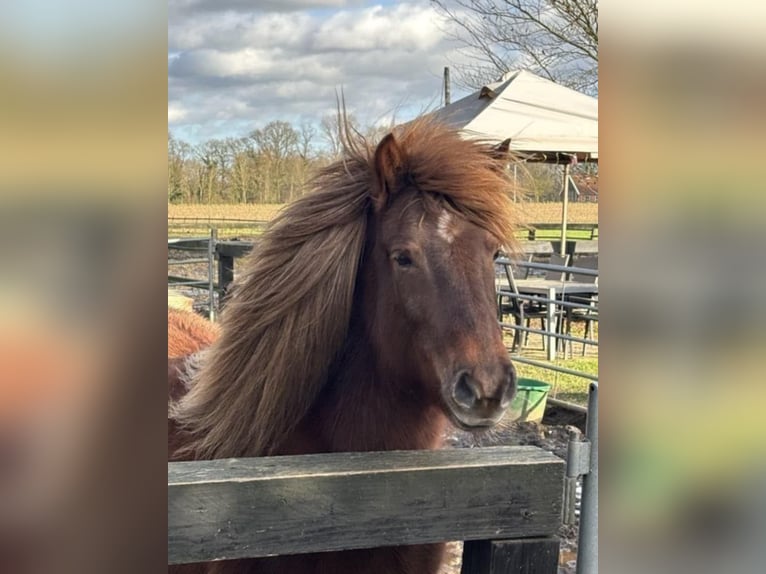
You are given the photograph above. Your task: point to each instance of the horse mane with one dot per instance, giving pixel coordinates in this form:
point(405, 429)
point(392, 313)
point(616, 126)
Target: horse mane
point(290, 309)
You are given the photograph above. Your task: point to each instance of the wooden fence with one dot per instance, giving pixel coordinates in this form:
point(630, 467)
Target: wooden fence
point(505, 502)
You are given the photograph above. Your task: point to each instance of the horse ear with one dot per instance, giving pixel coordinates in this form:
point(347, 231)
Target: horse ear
point(500, 151)
point(389, 165)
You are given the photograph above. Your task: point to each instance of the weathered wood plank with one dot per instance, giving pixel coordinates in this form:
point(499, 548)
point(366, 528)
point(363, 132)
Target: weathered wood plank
point(240, 508)
point(523, 556)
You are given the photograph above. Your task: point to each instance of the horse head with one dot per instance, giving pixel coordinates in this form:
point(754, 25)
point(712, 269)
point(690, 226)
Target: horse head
point(430, 285)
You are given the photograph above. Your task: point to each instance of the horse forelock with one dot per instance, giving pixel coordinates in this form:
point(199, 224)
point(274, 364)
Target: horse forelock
point(466, 174)
point(290, 310)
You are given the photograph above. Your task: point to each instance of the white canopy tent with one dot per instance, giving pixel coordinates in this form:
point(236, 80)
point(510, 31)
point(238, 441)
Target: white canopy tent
point(536, 114)
point(543, 120)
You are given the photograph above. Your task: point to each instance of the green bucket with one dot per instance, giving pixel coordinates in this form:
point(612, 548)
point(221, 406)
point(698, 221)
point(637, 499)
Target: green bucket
point(529, 402)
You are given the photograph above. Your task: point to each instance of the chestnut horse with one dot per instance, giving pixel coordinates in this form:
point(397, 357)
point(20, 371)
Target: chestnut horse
point(188, 333)
point(364, 320)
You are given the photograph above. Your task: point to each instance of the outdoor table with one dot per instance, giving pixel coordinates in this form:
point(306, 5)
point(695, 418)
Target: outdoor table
point(553, 290)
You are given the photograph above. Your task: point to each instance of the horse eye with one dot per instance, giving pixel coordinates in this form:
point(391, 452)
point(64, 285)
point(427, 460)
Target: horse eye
point(403, 260)
point(497, 254)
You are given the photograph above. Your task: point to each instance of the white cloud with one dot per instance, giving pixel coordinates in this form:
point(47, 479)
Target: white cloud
point(405, 27)
point(230, 72)
point(182, 6)
point(217, 64)
point(232, 30)
point(176, 112)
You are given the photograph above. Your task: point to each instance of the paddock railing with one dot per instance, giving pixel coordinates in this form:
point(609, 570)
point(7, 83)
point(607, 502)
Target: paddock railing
point(181, 225)
point(220, 257)
point(504, 502)
point(555, 304)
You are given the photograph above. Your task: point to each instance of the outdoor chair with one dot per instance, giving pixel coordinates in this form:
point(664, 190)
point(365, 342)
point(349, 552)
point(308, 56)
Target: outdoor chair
point(576, 314)
point(551, 275)
point(522, 311)
point(556, 259)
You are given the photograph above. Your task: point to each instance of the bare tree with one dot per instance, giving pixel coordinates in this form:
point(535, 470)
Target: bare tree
point(333, 131)
point(207, 171)
point(179, 153)
point(557, 39)
point(277, 139)
point(271, 165)
point(305, 137)
point(277, 142)
point(241, 152)
point(219, 152)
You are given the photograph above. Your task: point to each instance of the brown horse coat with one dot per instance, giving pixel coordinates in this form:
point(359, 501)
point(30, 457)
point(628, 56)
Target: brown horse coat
point(364, 320)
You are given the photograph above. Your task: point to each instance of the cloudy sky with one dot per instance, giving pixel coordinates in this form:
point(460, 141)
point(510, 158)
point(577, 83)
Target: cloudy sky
point(235, 65)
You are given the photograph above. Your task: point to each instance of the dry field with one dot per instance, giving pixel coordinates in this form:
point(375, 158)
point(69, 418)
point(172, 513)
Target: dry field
point(550, 212)
point(528, 212)
point(254, 211)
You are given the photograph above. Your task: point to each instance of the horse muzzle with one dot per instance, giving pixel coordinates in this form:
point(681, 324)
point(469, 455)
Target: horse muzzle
point(477, 398)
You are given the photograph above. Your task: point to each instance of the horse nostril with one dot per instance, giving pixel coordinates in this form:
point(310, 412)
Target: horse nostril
point(465, 392)
point(510, 387)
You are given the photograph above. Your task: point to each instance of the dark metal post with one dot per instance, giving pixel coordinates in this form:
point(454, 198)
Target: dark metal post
point(587, 545)
point(211, 272)
point(225, 277)
point(523, 556)
point(446, 86)
point(564, 211)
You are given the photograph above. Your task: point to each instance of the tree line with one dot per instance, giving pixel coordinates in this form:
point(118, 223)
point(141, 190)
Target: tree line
point(273, 164)
point(269, 165)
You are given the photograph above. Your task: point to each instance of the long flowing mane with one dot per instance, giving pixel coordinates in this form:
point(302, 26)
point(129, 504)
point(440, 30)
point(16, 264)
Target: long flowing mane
point(289, 313)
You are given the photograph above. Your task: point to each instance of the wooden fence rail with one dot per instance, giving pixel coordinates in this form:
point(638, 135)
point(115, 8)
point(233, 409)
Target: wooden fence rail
point(248, 508)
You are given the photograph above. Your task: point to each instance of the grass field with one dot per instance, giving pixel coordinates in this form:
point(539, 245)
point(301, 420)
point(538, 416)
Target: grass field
point(565, 387)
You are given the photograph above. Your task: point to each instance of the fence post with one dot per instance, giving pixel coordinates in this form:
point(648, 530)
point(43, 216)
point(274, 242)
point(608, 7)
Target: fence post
point(210, 272)
point(225, 275)
point(587, 544)
point(522, 556)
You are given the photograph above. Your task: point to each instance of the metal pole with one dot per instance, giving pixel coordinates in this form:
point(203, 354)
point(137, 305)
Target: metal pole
point(211, 272)
point(552, 325)
point(564, 209)
point(515, 182)
point(587, 544)
point(446, 86)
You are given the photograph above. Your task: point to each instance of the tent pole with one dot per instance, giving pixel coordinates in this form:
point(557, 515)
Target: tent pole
point(446, 86)
point(564, 209)
point(515, 183)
